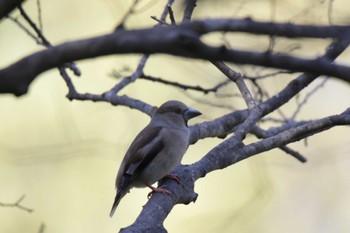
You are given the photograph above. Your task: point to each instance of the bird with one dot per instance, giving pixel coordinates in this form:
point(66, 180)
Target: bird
point(156, 150)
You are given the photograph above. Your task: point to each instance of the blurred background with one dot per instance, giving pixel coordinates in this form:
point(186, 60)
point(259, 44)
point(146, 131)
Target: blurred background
point(63, 156)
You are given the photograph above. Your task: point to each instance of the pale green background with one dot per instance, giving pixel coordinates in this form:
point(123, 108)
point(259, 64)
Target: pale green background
point(64, 155)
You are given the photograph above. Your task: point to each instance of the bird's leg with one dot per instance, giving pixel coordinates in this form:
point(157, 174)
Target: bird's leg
point(161, 189)
point(173, 177)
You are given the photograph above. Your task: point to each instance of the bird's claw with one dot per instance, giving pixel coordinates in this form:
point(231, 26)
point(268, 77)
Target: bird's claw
point(173, 177)
point(161, 189)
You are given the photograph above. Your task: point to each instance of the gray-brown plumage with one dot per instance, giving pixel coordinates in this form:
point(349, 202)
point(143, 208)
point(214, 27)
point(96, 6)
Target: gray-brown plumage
point(156, 150)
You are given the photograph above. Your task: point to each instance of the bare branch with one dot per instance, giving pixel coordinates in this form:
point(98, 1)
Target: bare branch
point(116, 101)
point(6, 6)
point(17, 204)
point(171, 15)
point(126, 81)
point(230, 153)
point(127, 14)
point(152, 221)
point(45, 42)
point(223, 155)
point(268, 75)
point(190, 5)
point(261, 133)
point(159, 21)
point(139, 70)
point(211, 103)
point(306, 98)
point(185, 40)
point(220, 126)
point(184, 86)
point(172, 40)
point(182, 40)
point(41, 228)
point(266, 28)
point(238, 79)
point(24, 28)
point(40, 20)
point(300, 132)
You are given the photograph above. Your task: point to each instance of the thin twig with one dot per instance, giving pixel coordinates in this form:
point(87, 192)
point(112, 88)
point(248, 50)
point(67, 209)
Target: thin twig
point(40, 20)
point(307, 97)
point(186, 87)
point(171, 15)
point(34, 27)
point(263, 94)
point(139, 70)
point(44, 41)
point(71, 89)
point(17, 204)
point(42, 228)
point(126, 15)
point(148, 5)
point(127, 80)
point(226, 95)
point(261, 133)
point(26, 30)
point(160, 21)
point(220, 104)
point(273, 120)
point(239, 81)
point(268, 75)
point(330, 12)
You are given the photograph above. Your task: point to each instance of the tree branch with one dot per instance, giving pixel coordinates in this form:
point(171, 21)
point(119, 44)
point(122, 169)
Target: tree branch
point(248, 25)
point(17, 204)
point(221, 126)
point(186, 87)
point(223, 155)
point(6, 6)
point(260, 133)
point(182, 40)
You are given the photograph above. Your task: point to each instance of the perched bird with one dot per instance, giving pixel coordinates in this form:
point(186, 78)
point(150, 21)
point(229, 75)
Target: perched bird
point(156, 150)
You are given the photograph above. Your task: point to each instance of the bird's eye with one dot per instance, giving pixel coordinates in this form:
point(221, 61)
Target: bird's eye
point(178, 110)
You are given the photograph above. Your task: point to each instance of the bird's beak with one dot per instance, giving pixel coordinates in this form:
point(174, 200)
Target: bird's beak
point(191, 112)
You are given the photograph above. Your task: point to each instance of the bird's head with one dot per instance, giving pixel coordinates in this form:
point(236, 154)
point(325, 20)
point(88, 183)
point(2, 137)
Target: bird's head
point(176, 110)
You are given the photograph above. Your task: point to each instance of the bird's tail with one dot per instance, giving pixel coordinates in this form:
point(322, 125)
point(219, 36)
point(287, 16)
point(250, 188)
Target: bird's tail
point(117, 199)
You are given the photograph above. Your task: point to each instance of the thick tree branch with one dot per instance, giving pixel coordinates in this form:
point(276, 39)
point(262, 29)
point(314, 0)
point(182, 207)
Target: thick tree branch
point(298, 133)
point(223, 155)
point(182, 40)
point(226, 154)
point(152, 221)
point(248, 25)
point(238, 79)
point(111, 95)
point(6, 6)
point(222, 125)
point(260, 133)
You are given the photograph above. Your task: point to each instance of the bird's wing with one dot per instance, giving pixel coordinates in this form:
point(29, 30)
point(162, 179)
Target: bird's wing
point(142, 151)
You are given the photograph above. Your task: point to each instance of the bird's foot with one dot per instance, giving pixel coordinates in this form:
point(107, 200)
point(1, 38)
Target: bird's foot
point(173, 177)
point(161, 189)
